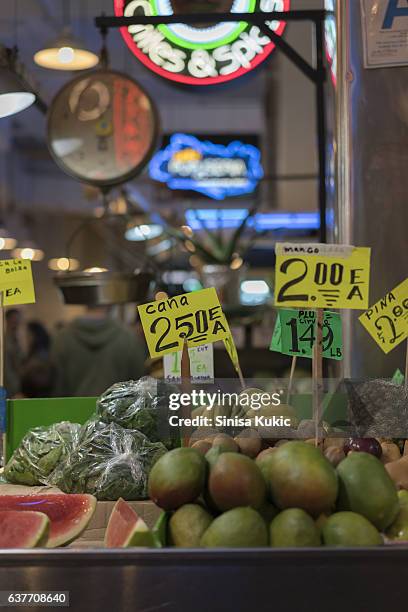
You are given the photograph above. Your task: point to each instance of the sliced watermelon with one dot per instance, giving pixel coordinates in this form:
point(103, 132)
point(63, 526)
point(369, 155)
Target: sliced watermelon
point(126, 528)
point(69, 514)
point(23, 529)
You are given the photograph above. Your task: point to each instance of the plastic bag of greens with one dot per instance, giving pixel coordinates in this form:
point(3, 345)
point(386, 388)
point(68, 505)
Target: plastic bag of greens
point(141, 405)
point(39, 452)
point(108, 462)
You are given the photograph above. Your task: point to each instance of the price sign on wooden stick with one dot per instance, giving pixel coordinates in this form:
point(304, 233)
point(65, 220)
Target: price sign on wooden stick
point(3, 394)
point(387, 320)
point(196, 317)
point(295, 334)
point(16, 282)
point(322, 276)
point(317, 366)
point(16, 287)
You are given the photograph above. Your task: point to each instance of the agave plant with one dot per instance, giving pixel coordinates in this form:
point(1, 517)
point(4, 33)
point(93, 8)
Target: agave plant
point(215, 246)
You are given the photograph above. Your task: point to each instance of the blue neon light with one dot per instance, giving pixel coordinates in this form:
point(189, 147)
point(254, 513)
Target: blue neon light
point(216, 187)
point(230, 218)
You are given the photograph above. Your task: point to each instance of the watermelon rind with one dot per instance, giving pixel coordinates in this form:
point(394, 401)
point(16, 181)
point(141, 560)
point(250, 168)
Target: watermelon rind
point(74, 525)
point(42, 536)
point(80, 526)
point(141, 536)
point(38, 538)
point(160, 529)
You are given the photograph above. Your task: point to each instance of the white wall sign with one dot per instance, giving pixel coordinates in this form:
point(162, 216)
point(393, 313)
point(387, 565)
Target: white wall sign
point(201, 364)
point(385, 32)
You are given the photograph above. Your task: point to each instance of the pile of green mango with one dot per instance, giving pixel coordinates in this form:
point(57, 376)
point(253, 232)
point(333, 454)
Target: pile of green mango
point(289, 498)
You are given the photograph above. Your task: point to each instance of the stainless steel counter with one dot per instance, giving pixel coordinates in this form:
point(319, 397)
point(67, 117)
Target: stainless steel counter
point(263, 580)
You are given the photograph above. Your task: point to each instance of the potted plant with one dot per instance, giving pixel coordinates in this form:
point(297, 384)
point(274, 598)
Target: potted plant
point(218, 255)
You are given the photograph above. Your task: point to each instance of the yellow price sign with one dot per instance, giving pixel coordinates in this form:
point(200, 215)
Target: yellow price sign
point(387, 320)
point(196, 316)
point(16, 282)
point(322, 276)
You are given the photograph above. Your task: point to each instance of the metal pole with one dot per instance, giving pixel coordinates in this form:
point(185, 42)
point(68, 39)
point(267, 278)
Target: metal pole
point(321, 126)
point(106, 21)
point(3, 393)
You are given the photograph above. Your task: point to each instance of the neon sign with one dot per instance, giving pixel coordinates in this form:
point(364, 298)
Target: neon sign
point(215, 170)
point(231, 218)
point(330, 35)
point(200, 55)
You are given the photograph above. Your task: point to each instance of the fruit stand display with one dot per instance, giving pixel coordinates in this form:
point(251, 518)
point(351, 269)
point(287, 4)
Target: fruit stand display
point(122, 497)
point(248, 489)
point(136, 499)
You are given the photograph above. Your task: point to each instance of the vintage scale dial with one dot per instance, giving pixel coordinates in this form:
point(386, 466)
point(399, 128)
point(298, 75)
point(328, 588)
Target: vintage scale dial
point(102, 128)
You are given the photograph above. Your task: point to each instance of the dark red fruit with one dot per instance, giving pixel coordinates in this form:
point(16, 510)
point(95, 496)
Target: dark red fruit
point(363, 445)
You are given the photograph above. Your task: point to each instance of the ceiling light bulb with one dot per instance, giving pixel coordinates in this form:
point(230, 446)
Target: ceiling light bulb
point(63, 264)
point(28, 252)
point(6, 243)
point(138, 233)
point(66, 55)
point(95, 270)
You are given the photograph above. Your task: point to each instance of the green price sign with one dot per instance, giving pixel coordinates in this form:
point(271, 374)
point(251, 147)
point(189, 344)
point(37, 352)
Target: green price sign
point(295, 334)
point(398, 378)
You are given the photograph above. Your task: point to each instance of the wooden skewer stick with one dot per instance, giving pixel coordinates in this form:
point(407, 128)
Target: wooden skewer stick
point(2, 390)
point(2, 349)
point(186, 388)
point(406, 370)
point(185, 368)
point(317, 374)
point(241, 377)
point(291, 376)
point(233, 353)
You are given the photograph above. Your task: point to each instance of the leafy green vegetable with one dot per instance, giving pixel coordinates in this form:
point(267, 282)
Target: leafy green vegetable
point(108, 462)
point(39, 452)
point(141, 405)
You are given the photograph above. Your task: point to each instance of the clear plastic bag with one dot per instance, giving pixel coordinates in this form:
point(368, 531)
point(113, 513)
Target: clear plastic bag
point(39, 452)
point(377, 408)
point(108, 462)
point(141, 405)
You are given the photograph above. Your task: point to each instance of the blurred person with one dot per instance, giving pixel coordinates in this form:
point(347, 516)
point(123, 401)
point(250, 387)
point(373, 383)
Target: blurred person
point(37, 379)
point(38, 341)
point(13, 352)
point(94, 352)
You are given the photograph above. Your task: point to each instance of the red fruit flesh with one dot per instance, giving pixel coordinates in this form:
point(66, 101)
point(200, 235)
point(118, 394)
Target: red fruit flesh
point(69, 514)
point(121, 525)
point(23, 529)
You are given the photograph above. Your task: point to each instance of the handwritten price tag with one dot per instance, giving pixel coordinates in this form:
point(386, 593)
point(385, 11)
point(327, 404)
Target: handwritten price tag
point(201, 364)
point(398, 378)
point(295, 334)
point(196, 316)
point(387, 320)
point(16, 282)
point(322, 276)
